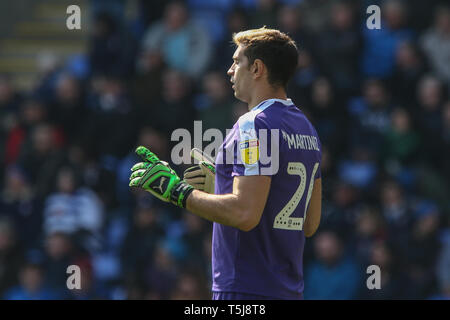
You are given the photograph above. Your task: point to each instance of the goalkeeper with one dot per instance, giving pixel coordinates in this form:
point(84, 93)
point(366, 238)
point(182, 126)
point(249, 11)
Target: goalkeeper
point(261, 214)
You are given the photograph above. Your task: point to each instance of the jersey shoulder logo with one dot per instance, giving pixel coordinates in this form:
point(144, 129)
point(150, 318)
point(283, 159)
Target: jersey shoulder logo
point(249, 151)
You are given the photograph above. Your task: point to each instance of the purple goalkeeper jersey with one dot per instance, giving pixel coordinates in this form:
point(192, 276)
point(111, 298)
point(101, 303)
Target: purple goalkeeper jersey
point(275, 139)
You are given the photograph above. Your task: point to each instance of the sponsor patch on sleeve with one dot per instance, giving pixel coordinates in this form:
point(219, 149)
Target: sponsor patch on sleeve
point(249, 151)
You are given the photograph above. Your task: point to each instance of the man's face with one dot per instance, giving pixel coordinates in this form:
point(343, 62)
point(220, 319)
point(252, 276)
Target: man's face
point(241, 76)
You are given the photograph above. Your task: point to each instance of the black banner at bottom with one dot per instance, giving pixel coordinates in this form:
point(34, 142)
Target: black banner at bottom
point(205, 309)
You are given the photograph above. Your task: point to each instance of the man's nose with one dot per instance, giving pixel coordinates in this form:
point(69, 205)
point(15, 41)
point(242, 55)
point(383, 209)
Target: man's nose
point(230, 70)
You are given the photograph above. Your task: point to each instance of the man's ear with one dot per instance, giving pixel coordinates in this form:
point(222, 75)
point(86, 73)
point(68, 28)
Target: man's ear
point(258, 68)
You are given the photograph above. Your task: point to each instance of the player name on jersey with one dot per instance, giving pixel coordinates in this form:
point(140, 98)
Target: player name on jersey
point(301, 141)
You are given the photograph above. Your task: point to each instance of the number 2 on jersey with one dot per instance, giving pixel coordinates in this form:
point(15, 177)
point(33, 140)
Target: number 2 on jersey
point(283, 219)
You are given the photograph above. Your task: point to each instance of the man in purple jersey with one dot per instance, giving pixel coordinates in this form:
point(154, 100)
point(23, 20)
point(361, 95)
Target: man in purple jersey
point(267, 194)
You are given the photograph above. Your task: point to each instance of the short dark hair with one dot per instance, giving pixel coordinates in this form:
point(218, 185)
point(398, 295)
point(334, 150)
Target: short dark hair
point(276, 50)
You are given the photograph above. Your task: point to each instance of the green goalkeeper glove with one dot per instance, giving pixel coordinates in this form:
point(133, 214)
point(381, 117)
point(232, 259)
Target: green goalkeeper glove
point(202, 176)
point(158, 178)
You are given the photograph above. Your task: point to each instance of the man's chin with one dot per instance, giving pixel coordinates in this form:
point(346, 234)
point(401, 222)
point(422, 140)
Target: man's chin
point(237, 96)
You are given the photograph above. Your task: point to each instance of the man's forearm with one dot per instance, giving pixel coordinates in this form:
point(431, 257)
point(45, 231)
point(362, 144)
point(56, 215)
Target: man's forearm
point(223, 208)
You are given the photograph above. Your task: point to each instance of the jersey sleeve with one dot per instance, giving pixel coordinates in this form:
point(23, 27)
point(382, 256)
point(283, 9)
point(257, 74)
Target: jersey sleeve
point(254, 151)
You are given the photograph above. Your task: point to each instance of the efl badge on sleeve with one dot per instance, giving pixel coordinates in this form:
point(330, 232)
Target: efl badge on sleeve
point(250, 151)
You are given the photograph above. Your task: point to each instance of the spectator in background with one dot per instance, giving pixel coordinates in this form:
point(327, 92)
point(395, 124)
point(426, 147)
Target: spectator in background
point(327, 116)
point(190, 286)
point(398, 215)
point(333, 275)
point(147, 84)
point(424, 247)
point(11, 255)
point(10, 97)
point(68, 111)
point(215, 105)
point(182, 45)
point(378, 56)
point(196, 231)
point(290, 20)
point(393, 284)
point(316, 16)
point(50, 66)
point(61, 251)
point(264, 14)
point(428, 117)
point(161, 275)
point(89, 287)
point(338, 48)
point(111, 50)
point(31, 286)
point(436, 43)
point(409, 68)
point(187, 236)
point(141, 242)
point(73, 209)
point(207, 254)
point(149, 12)
point(420, 13)
point(115, 8)
point(443, 273)
point(237, 20)
point(41, 157)
point(401, 141)
point(299, 88)
point(360, 170)
point(445, 160)
point(210, 16)
point(110, 108)
point(31, 113)
point(18, 203)
point(369, 230)
point(176, 108)
point(339, 213)
point(371, 115)
point(9, 109)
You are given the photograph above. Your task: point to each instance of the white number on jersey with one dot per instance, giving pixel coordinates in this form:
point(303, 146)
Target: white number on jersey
point(283, 219)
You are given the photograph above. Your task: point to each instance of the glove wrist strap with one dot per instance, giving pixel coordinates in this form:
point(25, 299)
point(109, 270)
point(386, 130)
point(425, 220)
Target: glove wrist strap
point(180, 193)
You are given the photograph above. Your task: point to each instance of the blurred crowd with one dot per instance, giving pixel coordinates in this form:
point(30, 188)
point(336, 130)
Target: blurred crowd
point(379, 100)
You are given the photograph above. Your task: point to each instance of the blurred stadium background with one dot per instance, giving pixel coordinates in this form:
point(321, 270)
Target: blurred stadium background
point(75, 104)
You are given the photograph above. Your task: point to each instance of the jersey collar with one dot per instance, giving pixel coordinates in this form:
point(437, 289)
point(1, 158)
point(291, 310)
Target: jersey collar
point(286, 102)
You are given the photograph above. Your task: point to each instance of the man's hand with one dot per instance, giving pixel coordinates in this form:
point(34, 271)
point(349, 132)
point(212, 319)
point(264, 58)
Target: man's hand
point(158, 178)
point(201, 176)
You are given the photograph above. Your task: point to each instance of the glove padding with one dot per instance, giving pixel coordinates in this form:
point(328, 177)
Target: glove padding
point(201, 176)
point(158, 178)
